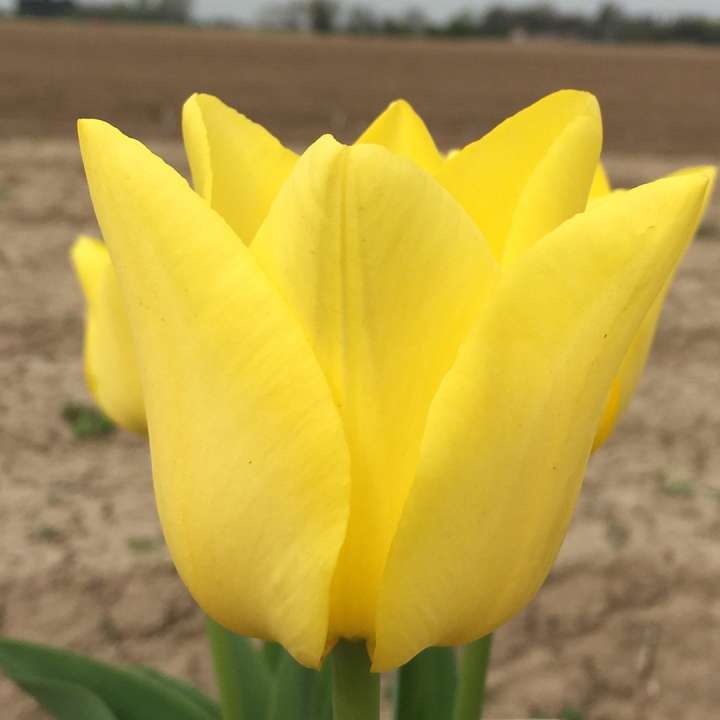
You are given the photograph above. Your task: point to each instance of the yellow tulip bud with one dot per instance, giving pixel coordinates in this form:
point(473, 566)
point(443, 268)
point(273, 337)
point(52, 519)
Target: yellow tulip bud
point(373, 375)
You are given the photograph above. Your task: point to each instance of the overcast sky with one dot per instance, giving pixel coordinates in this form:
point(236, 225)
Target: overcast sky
point(248, 9)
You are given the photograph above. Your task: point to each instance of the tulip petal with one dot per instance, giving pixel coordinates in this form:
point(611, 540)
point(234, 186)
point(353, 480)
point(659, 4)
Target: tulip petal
point(530, 173)
point(631, 370)
point(111, 370)
point(237, 165)
point(510, 430)
point(600, 185)
point(402, 131)
point(249, 457)
point(386, 274)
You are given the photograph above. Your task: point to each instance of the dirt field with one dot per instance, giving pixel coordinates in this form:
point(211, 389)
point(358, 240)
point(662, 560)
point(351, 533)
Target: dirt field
point(662, 100)
point(627, 626)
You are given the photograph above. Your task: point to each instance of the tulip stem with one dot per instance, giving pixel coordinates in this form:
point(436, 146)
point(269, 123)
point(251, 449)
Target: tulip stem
point(470, 694)
point(225, 663)
point(356, 691)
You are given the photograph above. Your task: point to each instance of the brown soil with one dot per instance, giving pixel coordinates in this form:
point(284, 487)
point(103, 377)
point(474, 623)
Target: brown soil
point(625, 629)
point(656, 100)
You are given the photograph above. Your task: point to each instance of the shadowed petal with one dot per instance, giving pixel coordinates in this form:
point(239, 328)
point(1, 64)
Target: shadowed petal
point(510, 430)
point(402, 131)
point(531, 173)
point(633, 365)
point(600, 185)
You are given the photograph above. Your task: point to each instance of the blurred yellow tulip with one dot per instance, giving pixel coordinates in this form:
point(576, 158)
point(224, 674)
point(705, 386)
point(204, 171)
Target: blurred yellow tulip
point(111, 371)
point(373, 375)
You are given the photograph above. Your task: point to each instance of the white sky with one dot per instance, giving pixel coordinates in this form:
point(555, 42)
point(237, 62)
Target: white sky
point(248, 9)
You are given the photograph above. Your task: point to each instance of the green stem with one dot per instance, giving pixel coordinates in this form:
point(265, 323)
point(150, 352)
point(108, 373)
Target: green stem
point(470, 695)
point(355, 690)
point(232, 700)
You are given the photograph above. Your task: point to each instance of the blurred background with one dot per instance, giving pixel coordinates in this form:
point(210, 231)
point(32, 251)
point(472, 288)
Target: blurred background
point(627, 626)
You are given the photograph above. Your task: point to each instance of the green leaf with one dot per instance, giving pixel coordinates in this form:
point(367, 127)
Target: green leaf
point(87, 421)
point(65, 701)
point(426, 686)
point(202, 701)
point(128, 694)
point(242, 674)
point(299, 692)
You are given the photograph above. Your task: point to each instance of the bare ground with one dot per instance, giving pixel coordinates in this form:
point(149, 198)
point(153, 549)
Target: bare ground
point(655, 99)
point(625, 629)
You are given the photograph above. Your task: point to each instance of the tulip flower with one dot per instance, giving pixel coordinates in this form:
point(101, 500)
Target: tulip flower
point(225, 145)
point(373, 376)
point(111, 371)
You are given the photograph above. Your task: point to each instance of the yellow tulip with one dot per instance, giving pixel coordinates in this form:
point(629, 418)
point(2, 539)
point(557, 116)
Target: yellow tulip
point(373, 376)
point(111, 371)
point(225, 148)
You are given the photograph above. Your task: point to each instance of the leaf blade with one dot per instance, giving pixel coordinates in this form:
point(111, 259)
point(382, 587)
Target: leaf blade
point(65, 701)
point(128, 694)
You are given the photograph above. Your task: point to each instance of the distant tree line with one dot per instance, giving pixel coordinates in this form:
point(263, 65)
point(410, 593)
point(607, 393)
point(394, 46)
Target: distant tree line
point(609, 24)
point(141, 10)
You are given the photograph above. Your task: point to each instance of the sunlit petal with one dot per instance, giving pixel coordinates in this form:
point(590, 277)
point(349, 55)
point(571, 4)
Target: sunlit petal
point(249, 457)
point(386, 273)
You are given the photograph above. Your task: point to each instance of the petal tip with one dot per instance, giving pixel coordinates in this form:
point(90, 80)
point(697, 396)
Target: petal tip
point(89, 257)
point(200, 99)
point(584, 97)
point(329, 140)
point(709, 172)
point(95, 136)
point(89, 128)
point(400, 104)
point(693, 182)
point(84, 247)
point(191, 101)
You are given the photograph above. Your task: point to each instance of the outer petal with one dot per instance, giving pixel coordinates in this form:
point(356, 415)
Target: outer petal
point(530, 173)
point(111, 370)
point(386, 274)
point(402, 131)
point(509, 432)
point(249, 459)
point(237, 165)
point(630, 372)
